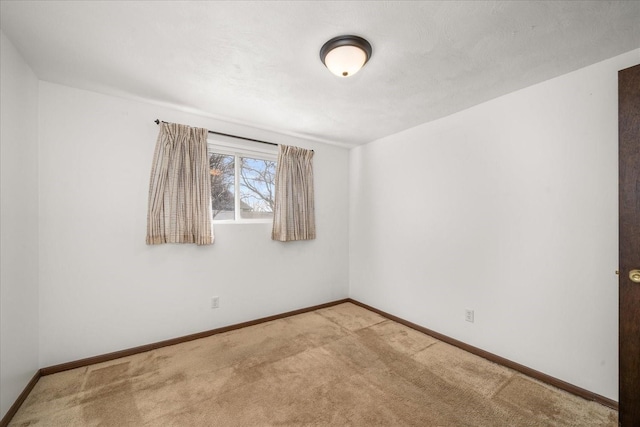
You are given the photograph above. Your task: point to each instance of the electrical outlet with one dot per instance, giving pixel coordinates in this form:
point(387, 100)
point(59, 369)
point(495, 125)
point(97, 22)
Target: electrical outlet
point(215, 302)
point(468, 315)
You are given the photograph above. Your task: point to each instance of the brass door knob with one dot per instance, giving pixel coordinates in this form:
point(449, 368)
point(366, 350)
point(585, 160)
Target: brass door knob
point(634, 275)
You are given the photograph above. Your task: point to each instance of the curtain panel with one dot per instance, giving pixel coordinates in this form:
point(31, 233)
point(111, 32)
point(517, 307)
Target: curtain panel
point(293, 213)
point(180, 187)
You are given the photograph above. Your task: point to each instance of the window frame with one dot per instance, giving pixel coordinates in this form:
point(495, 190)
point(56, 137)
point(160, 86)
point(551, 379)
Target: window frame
point(251, 150)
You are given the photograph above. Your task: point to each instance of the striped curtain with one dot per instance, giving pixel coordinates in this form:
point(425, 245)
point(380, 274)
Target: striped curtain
point(293, 213)
point(180, 187)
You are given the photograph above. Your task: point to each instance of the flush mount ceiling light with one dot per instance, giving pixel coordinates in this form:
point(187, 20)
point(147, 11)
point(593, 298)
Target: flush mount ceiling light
point(345, 55)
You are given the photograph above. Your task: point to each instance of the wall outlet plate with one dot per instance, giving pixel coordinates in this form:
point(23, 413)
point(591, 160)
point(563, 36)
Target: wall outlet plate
point(468, 315)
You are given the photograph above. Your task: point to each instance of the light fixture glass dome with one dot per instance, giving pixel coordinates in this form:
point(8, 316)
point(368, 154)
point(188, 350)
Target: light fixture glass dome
point(345, 61)
point(345, 55)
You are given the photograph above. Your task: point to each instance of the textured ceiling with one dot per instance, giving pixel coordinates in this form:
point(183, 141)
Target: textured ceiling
point(257, 63)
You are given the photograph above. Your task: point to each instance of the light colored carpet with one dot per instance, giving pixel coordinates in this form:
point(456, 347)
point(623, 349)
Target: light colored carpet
point(338, 366)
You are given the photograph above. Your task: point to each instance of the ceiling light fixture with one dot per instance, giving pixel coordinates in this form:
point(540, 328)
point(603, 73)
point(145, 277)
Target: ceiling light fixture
point(345, 55)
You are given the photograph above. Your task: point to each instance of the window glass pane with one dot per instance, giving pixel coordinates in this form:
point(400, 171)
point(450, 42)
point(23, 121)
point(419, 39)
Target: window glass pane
point(221, 167)
point(257, 179)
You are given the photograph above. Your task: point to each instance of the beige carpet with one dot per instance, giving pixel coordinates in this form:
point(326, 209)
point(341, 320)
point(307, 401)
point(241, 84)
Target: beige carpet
point(338, 366)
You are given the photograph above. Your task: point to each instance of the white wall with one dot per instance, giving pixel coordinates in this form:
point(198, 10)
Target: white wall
point(18, 224)
point(510, 209)
point(102, 289)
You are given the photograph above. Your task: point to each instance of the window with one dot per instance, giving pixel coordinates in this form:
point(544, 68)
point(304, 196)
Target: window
point(242, 184)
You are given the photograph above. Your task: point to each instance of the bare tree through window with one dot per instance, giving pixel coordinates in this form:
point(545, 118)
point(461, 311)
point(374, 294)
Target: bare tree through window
point(257, 178)
point(221, 167)
point(256, 187)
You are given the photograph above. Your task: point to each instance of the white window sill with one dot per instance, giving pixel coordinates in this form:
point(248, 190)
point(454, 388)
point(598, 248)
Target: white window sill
point(243, 221)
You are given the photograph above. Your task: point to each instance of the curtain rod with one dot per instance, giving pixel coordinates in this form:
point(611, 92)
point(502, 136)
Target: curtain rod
point(157, 121)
